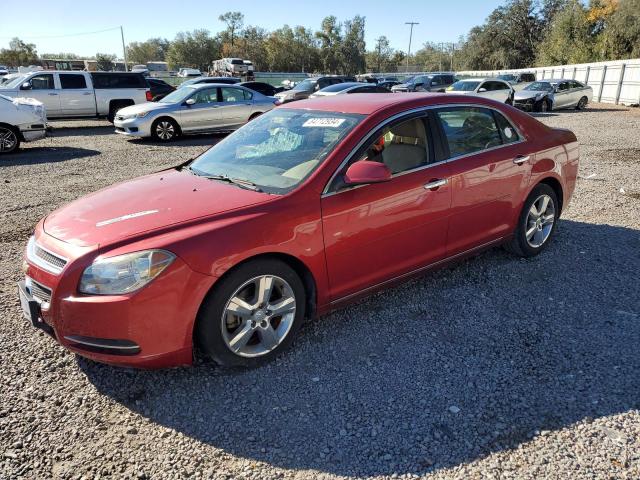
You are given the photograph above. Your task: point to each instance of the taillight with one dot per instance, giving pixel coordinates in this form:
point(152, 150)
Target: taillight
point(149, 95)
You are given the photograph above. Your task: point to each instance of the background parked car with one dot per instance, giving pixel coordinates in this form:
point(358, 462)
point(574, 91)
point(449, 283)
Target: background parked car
point(67, 94)
point(198, 80)
point(306, 87)
point(189, 72)
point(159, 88)
point(547, 95)
point(198, 108)
point(493, 88)
point(140, 69)
point(520, 77)
point(349, 87)
point(263, 88)
point(432, 82)
point(21, 120)
point(388, 84)
point(3, 70)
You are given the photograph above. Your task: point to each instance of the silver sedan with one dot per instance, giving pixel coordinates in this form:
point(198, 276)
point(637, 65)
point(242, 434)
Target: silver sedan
point(554, 94)
point(199, 108)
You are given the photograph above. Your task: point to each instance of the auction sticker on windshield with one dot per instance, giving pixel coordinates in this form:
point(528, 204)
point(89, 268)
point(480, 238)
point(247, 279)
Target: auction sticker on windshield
point(324, 122)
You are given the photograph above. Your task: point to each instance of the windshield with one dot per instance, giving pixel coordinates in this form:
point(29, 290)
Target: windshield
point(409, 80)
point(177, 96)
point(305, 85)
point(540, 86)
point(236, 61)
point(277, 150)
point(15, 82)
point(507, 77)
point(463, 86)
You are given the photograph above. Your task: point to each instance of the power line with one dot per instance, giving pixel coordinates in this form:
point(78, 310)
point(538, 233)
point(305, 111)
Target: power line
point(61, 36)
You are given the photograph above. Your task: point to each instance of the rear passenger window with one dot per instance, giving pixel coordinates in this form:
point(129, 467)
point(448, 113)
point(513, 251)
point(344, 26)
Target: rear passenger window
point(231, 94)
point(247, 95)
point(68, 80)
point(508, 133)
point(469, 129)
point(118, 80)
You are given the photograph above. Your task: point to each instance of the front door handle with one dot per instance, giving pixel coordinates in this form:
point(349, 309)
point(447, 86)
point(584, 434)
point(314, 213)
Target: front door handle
point(52, 94)
point(433, 184)
point(520, 159)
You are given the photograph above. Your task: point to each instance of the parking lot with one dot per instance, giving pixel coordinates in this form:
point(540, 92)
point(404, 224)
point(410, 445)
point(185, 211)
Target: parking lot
point(497, 367)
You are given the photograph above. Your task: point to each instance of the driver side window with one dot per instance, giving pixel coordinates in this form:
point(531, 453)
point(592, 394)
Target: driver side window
point(42, 82)
point(469, 129)
point(207, 95)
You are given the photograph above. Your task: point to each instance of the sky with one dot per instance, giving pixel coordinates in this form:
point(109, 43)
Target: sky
point(58, 20)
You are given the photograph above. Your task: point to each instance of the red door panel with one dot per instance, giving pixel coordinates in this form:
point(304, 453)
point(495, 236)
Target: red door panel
point(377, 232)
point(486, 196)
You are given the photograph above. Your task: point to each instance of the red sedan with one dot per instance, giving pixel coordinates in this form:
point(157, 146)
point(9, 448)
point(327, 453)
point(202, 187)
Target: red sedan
point(302, 210)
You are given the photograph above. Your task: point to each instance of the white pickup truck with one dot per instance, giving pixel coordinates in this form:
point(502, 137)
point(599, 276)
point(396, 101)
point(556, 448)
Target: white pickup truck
point(68, 94)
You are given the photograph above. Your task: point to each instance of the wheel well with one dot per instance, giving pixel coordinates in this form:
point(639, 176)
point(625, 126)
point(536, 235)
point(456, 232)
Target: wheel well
point(299, 267)
point(121, 103)
point(557, 188)
point(167, 117)
point(14, 128)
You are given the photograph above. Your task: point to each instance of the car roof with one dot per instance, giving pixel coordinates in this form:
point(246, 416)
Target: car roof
point(368, 103)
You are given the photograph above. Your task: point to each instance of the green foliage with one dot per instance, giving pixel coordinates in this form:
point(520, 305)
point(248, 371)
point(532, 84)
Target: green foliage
point(195, 49)
point(234, 21)
point(104, 61)
point(152, 50)
point(19, 53)
point(621, 38)
point(568, 39)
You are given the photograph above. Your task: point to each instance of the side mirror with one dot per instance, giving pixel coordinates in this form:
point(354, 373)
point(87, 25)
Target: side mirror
point(190, 101)
point(480, 90)
point(25, 86)
point(366, 171)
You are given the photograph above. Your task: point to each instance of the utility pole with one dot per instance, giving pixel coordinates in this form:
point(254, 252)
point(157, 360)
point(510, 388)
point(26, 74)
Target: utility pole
point(410, 35)
point(124, 49)
point(379, 48)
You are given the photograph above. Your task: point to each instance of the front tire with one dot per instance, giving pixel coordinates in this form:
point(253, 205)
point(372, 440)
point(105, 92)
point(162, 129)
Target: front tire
point(252, 315)
point(537, 222)
point(164, 130)
point(9, 140)
point(582, 103)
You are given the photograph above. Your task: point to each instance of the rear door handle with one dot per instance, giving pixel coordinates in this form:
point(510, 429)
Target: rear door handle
point(432, 185)
point(52, 94)
point(520, 159)
point(87, 93)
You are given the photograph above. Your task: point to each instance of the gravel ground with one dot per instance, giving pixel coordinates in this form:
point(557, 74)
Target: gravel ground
point(494, 368)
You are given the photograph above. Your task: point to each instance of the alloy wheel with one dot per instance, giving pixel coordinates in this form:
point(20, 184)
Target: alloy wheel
point(544, 107)
point(8, 140)
point(540, 221)
point(165, 130)
point(258, 316)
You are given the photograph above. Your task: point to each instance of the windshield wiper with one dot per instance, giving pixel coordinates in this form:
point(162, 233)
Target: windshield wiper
point(235, 181)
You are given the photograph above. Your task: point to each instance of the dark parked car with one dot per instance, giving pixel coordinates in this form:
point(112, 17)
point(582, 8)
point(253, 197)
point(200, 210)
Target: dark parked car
point(430, 82)
point(305, 88)
point(227, 80)
point(159, 89)
point(262, 87)
point(388, 84)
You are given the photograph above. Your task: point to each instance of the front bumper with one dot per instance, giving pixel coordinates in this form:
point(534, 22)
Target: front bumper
point(32, 132)
point(134, 127)
point(149, 328)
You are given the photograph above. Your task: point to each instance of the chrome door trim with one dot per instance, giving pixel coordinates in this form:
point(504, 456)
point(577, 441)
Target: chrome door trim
point(326, 193)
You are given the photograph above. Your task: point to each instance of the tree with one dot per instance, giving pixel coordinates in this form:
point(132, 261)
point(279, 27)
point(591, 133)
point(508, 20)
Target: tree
point(195, 49)
point(568, 38)
point(61, 55)
point(621, 38)
point(330, 44)
point(234, 21)
point(104, 62)
point(19, 53)
point(251, 45)
point(379, 58)
point(152, 50)
point(353, 47)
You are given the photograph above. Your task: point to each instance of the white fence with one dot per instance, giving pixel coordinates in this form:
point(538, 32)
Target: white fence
point(612, 82)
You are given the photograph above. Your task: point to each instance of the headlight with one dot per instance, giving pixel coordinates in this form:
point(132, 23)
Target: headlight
point(124, 273)
point(142, 114)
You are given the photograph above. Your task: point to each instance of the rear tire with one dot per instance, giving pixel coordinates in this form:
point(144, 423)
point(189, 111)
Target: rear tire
point(164, 130)
point(536, 224)
point(582, 103)
point(9, 139)
point(237, 325)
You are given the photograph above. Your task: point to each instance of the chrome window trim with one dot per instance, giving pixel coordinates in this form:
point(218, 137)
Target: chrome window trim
point(33, 258)
point(327, 193)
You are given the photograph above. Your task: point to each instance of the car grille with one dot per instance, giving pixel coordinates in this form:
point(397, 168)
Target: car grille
point(119, 117)
point(41, 293)
point(57, 263)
